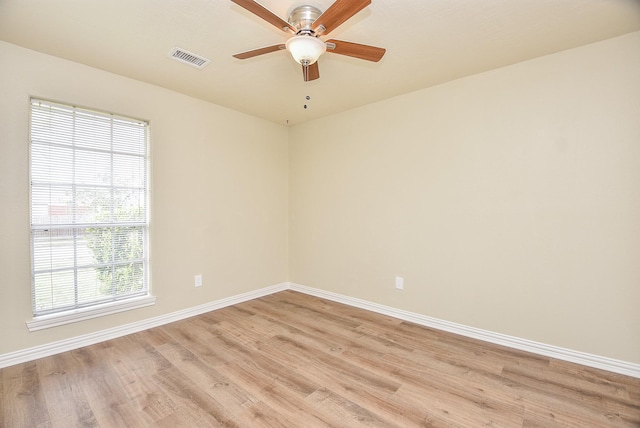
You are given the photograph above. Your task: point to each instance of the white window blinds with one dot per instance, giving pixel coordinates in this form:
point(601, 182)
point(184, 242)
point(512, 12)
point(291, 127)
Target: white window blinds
point(89, 218)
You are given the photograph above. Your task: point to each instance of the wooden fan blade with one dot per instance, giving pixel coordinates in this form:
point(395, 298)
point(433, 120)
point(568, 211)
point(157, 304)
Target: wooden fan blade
point(264, 13)
point(259, 51)
point(338, 12)
point(356, 50)
point(311, 72)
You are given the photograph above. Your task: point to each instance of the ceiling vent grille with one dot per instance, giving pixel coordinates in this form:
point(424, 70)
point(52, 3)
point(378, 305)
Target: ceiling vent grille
point(190, 58)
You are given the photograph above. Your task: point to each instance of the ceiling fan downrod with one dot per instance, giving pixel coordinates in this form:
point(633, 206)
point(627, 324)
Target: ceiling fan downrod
point(303, 17)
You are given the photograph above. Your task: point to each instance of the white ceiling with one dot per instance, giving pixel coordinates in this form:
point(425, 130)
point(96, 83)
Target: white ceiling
point(428, 42)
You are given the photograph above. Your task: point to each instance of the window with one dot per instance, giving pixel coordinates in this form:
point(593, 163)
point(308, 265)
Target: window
point(89, 216)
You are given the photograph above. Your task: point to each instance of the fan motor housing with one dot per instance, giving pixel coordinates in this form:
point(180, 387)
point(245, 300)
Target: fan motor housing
point(303, 17)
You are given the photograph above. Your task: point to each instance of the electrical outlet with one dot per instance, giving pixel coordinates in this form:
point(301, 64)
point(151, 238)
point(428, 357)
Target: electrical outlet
point(198, 280)
point(399, 283)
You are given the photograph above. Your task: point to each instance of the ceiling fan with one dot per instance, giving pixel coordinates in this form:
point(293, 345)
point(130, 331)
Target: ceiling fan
point(308, 23)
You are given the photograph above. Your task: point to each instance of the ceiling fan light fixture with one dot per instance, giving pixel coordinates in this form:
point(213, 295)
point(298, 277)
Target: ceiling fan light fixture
point(305, 49)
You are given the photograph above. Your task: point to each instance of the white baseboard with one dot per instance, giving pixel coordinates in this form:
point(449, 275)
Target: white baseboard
point(53, 348)
point(589, 360)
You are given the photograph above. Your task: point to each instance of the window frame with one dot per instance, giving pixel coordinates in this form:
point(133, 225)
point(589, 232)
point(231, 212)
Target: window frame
point(113, 302)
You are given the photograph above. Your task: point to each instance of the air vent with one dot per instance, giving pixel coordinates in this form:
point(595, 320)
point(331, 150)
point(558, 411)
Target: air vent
point(190, 58)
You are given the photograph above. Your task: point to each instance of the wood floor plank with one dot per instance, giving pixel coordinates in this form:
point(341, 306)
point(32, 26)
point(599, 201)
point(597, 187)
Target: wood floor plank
point(278, 395)
point(261, 415)
point(23, 398)
point(347, 413)
point(312, 323)
point(545, 390)
point(201, 338)
point(325, 342)
point(63, 394)
point(293, 360)
point(340, 366)
point(208, 378)
point(109, 401)
point(2, 400)
point(382, 402)
point(202, 408)
point(337, 309)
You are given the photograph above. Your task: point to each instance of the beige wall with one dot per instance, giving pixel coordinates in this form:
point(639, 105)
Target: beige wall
point(219, 184)
point(509, 201)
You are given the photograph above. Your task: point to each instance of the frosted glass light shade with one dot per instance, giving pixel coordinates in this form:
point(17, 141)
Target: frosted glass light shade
point(306, 49)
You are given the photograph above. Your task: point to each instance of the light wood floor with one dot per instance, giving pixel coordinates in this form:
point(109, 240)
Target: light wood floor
point(292, 360)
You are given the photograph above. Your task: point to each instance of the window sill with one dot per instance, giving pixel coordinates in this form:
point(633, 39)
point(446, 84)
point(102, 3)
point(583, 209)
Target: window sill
point(62, 318)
